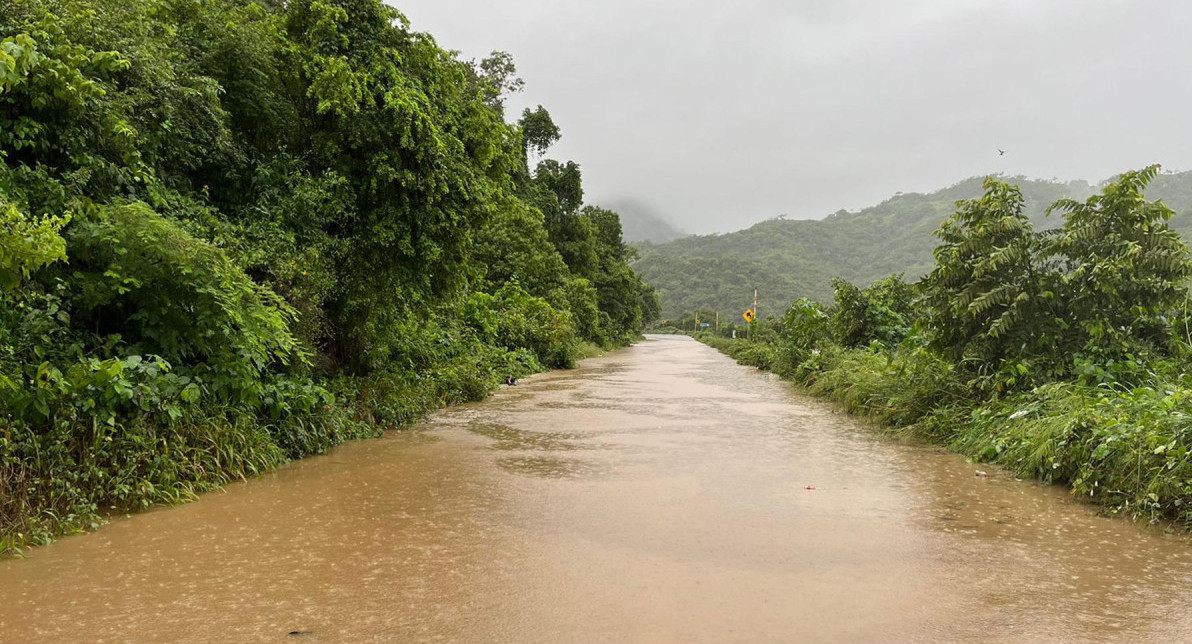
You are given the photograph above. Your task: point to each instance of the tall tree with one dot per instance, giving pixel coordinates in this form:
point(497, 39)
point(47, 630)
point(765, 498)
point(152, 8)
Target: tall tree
point(539, 131)
point(985, 292)
point(1125, 270)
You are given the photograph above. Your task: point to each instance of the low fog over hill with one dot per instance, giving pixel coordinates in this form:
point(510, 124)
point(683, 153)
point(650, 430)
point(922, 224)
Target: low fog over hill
point(640, 222)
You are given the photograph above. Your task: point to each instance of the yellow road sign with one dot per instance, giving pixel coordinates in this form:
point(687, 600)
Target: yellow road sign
point(748, 315)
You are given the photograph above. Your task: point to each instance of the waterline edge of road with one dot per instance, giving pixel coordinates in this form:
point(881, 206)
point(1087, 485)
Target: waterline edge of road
point(16, 546)
point(913, 434)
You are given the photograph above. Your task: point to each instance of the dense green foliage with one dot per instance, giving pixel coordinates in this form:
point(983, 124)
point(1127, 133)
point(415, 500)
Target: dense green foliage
point(789, 259)
point(881, 312)
point(234, 232)
point(1060, 354)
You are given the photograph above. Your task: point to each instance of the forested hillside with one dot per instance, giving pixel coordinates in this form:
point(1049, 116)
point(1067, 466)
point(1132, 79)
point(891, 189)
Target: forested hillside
point(788, 259)
point(235, 232)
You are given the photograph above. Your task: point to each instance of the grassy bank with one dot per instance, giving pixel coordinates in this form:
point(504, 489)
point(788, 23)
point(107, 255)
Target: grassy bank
point(63, 478)
point(1127, 449)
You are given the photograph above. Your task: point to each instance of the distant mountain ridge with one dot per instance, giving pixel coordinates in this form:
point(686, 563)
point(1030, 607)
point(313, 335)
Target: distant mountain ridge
point(641, 223)
point(788, 259)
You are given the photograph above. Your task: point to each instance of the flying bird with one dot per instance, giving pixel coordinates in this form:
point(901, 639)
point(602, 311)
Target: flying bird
point(1000, 152)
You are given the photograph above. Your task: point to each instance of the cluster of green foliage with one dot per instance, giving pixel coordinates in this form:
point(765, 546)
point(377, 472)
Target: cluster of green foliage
point(234, 232)
point(881, 312)
point(788, 259)
point(1061, 354)
point(1098, 293)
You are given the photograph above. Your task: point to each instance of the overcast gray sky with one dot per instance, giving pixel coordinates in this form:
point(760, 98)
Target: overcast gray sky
point(721, 114)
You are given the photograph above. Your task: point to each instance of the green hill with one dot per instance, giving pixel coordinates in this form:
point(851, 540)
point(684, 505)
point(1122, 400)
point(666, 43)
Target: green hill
point(788, 259)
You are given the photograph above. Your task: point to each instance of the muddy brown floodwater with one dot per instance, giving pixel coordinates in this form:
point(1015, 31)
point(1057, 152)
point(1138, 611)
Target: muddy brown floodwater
point(657, 494)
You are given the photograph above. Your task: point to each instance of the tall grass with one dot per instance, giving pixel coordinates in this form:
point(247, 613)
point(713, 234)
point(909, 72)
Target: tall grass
point(1127, 449)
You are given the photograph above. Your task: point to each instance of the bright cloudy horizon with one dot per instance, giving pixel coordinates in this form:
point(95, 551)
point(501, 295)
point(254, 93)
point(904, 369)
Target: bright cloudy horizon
point(719, 115)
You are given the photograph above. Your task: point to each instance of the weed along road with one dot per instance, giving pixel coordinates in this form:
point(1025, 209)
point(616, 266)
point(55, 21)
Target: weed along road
point(660, 493)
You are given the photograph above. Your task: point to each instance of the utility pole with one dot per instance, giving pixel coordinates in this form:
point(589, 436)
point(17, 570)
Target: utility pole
point(755, 317)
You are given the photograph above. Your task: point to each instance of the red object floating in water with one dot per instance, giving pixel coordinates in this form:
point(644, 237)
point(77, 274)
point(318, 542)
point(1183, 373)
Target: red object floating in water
point(809, 487)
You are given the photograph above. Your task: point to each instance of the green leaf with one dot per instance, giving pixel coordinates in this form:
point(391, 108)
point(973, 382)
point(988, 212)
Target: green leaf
point(190, 393)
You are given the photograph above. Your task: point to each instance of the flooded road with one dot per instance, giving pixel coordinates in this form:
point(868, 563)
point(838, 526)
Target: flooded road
point(657, 494)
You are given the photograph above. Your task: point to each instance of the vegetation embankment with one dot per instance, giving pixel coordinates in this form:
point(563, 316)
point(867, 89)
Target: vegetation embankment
point(1063, 355)
point(237, 232)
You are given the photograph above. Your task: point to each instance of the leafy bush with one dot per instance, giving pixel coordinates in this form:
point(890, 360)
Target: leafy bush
point(26, 244)
point(513, 318)
point(1125, 448)
point(988, 295)
point(1098, 293)
point(806, 331)
point(1123, 271)
point(882, 312)
point(173, 294)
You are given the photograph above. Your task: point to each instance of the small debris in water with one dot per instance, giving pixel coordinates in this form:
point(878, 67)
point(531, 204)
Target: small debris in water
point(982, 474)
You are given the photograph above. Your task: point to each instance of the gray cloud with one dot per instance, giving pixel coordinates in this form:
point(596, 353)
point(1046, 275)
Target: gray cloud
point(723, 114)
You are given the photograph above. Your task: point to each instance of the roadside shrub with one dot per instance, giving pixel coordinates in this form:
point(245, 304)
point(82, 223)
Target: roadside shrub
point(512, 318)
point(806, 332)
point(754, 354)
point(1128, 449)
point(171, 294)
point(882, 311)
point(898, 388)
point(388, 399)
